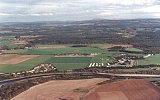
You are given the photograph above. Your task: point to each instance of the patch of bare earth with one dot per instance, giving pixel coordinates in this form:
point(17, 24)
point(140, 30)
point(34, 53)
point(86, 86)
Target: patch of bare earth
point(123, 45)
point(51, 46)
point(113, 45)
point(19, 42)
point(125, 90)
point(59, 89)
point(14, 59)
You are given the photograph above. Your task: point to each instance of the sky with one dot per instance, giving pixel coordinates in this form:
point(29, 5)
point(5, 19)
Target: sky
point(76, 10)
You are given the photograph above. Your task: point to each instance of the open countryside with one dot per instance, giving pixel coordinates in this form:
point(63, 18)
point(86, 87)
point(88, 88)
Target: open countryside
point(66, 57)
point(92, 53)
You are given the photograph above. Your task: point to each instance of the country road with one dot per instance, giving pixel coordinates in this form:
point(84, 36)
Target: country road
point(131, 75)
point(82, 74)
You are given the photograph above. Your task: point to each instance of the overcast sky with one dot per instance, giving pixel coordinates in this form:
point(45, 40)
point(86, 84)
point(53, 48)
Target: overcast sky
point(62, 10)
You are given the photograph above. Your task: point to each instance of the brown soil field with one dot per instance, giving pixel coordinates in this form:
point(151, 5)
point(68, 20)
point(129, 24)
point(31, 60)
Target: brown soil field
point(125, 90)
point(19, 42)
point(14, 59)
point(51, 46)
point(59, 89)
point(113, 45)
point(123, 45)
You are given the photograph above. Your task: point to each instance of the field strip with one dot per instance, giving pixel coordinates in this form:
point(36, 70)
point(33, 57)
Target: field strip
point(15, 59)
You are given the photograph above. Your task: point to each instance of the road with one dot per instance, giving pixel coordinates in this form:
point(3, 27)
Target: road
point(82, 74)
point(131, 75)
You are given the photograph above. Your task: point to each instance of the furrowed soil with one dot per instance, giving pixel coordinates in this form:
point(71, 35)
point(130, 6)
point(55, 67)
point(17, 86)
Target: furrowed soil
point(60, 89)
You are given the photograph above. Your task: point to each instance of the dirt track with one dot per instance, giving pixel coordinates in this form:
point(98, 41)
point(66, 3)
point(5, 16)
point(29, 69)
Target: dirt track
point(14, 59)
point(125, 90)
point(56, 89)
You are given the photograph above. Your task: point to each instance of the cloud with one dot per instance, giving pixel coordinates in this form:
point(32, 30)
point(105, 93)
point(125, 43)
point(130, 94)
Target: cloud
point(35, 10)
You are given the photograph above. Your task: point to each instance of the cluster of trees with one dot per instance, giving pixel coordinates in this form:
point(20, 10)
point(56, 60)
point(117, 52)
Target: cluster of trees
point(145, 32)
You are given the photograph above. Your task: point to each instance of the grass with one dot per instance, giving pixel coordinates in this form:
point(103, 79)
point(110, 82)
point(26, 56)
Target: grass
point(69, 66)
point(62, 49)
point(102, 46)
point(7, 41)
point(68, 63)
point(18, 51)
point(47, 51)
point(155, 59)
point(134, 50)
point(69, 60)
point(62, 63)
point(7, 68)
point(51, 49)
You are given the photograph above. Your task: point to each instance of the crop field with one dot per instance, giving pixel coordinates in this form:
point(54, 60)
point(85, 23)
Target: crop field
point(102, 46)
point(106, 46)
point(69, 66)
point(28, 64)
point(15, 59)
point(48, 51)
point(68, 63)
point(134, 50)
point(46, 54)
point(130, 89)
point(155, 59)
point(69, 60)
point(57, 89)
point(7, 41)
point(62, 63)
point(51, 46)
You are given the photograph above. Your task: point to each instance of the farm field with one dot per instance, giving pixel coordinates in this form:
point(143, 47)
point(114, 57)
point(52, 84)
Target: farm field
point(134, 50)
point(51, 46)
point(106, 46)
point(68, 63)
point(69, 66)
point(53, 51)
point(62, 63)
point(56, 89)
point(46, 54)
point(154, 59)
point(15, 59)
point(69, 60)
point(28, 64)
point(45, 51)
point(102, 46)
point(125, 90)
point(8, 42)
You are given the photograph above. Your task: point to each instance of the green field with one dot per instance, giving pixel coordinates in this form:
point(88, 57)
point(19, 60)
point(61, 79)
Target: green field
point(69, 66)
point(102, 46)
point(66, 63)
point(69, 60)
point(134, 50)
point(155, 59)
point(48, 51)
point(6, 68)
point(7, 41)
point(62, 63)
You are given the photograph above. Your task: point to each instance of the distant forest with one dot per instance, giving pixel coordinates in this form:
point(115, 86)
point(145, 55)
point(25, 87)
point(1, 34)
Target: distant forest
point(141, 33)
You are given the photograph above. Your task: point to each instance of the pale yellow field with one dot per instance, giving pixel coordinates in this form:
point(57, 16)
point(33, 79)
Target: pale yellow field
point(14, 59)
